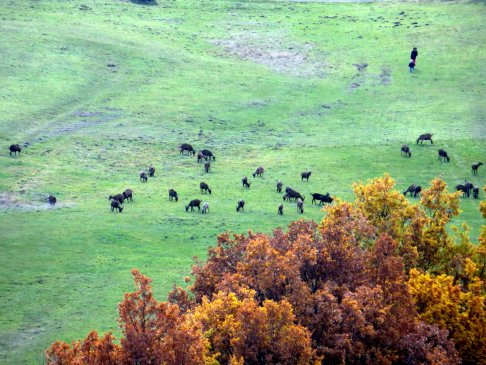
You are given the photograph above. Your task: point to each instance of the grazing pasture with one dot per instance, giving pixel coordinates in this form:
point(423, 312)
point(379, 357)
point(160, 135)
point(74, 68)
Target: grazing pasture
point(94, 91)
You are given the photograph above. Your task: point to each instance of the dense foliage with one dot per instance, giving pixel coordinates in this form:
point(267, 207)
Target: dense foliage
point(378, 281)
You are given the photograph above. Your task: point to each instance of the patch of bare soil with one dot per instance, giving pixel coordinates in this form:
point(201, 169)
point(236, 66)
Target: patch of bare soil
point(276, 52)
point(9, 200)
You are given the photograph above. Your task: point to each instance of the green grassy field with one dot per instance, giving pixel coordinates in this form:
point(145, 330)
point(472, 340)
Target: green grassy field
point(99, 90)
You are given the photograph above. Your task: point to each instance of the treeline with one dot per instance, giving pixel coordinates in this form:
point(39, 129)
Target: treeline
point(378, 281)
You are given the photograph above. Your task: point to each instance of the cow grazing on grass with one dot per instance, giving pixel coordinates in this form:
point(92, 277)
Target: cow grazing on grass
point(115, 205)
point(465, 190)
point(292, 194)
point(151, 171)
point(305, 175)
point(192, 204)
point(118, 197)
point(279, 186)
point(241, 205)
point(476, 192)
point(205, 208)
point(185, 147)
point(405, 149)
point(413, 189)
point(443, 156)
point(143, 176)
point(14, 148)
point(128, 195)
point(201, 157)
point(425, 137)
point(245, 182)
point(208, 155)
point(475, 167)
point(280, 209)
point(300, 206)
point(259, 172)
point(204, 188)
point(52, 200)
point(468, 185)
point(207, 166)
point(173, 195)
point(321, 198)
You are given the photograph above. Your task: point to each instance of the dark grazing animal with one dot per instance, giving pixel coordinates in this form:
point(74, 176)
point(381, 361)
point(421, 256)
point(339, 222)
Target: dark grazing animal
point(207, 166)
point(194, 203)
point(173, 195)
point(321, 198)
point(204, 187)
point(405, 149)
point(241, 205)
point(185, 147)
point(201, 157)
point(475, 167)
point(468, 185)
point(425, 137)
point(443, 155)
point(143, 176)
point(476, 192)
point(128, 195)
point(280, 209)
point(465, 190)
point(151, 171)
point(300, 206)
point(279, 186)
point(205, 208)
point(118, 197)
point(208, 154)
point(15, 148)
point(245, 182)
point(52, 200)
point(305, 175)
point(116, 205)
point(292, 194)
point(259, 172)
point(413, 189)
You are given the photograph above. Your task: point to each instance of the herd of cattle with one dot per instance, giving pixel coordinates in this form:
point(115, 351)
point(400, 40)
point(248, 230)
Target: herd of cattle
point(206, 156)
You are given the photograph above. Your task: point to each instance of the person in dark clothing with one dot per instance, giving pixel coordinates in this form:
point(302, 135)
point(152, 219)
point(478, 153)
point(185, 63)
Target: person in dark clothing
point(414, 55)
point(411, 66)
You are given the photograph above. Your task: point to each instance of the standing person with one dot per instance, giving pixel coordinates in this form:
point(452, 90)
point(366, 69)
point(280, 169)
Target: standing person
point(414, 55)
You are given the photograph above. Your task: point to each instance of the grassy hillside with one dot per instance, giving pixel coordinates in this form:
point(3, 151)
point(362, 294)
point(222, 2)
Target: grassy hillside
point(96, 91)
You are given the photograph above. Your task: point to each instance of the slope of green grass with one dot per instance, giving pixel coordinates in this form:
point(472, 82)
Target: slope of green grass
point(100, 90)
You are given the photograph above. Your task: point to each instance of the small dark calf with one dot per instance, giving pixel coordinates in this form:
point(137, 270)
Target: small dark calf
point(143, 176)
point(194, 203)
point(173, 195)
point(259, 172)
point(413, 189)
point(205, 208)
point(443, 156)
point(204, 187)
point(279, 186)
point(300, 206)
point(201, 157)
point(241, 205)
point(280, 209)
point(115, 205)
point(208, 155)
point(245, 182)
point(52, 200)
point(15, 148)
point(185, 147)
point(207, 166)
point(476, 192)
point(128, 195)
point(425, 137)
point(151, 171)
point(405, 149)
point(118, 197)
point(475, 167)
point(305, 175)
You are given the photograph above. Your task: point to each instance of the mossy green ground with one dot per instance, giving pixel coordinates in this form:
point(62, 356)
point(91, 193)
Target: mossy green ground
point(102, 89)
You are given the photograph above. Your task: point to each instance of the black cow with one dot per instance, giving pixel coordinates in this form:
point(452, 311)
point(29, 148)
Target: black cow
point(208, 155)
point(405, 149)
point(116, 205)
point(245, 182)
point(52, 200)
point(443, 156)
point(128, 195)
point(15, 148)
point(292, 194)
point(300, 206)
point(204, 187)
point(280, 209)
point(279, 186)
point(194, 203)
point(118, 197)
point(476, 192)
point(321, 198)
point(465, 190)
point(259, 172)
point(207, 166)
point(143, 176)
point(305, 175)
point(241, 205)
point(413, 190)
point(475, 167)
point(468, 185)
point(185, 147)
point(151, 171)
point(173, 195)
point(201, 157)
point(425, 137)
